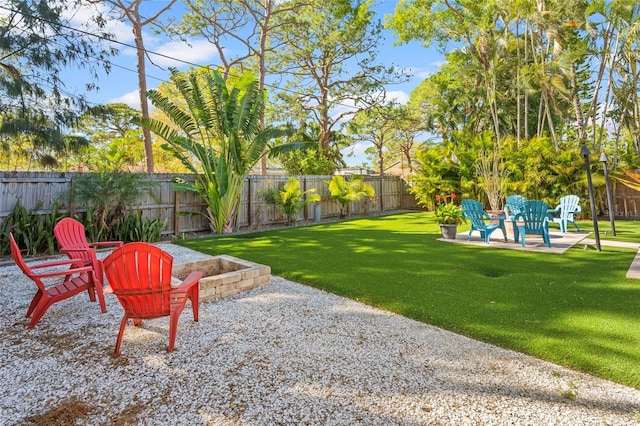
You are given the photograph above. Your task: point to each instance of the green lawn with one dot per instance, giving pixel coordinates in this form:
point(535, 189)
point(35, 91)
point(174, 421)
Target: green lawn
point(576, 309)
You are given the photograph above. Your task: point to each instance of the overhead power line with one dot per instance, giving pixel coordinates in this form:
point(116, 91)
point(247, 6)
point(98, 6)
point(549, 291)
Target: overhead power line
point(162, 55)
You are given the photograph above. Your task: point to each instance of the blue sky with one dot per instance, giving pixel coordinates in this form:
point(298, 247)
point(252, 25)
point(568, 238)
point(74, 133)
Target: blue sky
point(121, 84)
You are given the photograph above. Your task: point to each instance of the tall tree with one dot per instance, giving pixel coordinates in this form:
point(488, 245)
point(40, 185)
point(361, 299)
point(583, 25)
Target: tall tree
point(130, 11)
point(37, 43)
point(409, 128)
point(115, 139)
point(377, 126)
point(329, 54)
point(240, 31)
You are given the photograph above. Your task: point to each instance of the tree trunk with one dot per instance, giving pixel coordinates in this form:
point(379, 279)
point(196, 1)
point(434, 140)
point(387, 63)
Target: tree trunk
point(142, 89)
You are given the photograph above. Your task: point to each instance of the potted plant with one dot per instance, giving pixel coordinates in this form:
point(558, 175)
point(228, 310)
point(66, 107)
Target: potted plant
point(448, 215)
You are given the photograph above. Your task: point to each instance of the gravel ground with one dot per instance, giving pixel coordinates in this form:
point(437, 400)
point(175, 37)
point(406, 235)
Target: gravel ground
point(285, 354)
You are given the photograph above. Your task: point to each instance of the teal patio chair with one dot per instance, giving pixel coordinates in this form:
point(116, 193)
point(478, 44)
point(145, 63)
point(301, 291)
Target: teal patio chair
point(480, 220)
point(514, 204)
point(534, 220)
point(565, 212)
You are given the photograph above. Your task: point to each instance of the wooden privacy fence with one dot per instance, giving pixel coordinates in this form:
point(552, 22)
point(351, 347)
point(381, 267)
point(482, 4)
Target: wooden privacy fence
point(625, 200)
point(37, 191)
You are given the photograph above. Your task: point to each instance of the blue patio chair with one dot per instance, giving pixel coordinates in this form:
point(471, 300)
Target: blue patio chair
point(514, 204)
point(565, 212)
point(534, 220)
point(468, 205)
point(480, 220)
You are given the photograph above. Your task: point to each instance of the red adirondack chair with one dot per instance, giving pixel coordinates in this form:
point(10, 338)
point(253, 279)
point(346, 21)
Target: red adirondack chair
point(72, 240)
point(83, 279)
point(140, 276)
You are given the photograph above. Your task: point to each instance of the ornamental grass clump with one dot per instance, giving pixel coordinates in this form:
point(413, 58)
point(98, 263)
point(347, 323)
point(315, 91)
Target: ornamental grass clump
point(447, 212)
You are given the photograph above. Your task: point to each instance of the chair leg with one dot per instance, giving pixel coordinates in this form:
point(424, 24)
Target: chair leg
point(123, 324)
point(34, 303)
point(96, 278)
point(194, 296)
point(92, 293)
point(39, 311)
point(173, 329)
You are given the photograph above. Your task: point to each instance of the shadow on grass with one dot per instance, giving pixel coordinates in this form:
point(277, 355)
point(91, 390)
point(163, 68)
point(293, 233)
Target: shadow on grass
point(576, 309)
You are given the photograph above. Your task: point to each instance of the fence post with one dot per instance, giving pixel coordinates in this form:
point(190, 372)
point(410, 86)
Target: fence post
point(381, 194)
point(305, 215)
point(249, 204)
point(176, 218)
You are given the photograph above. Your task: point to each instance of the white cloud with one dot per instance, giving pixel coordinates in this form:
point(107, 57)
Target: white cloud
point(198, 51)
point(132, 99)
point(399, 96)
point(177, 53)
point(354, 155)
point(82, 18)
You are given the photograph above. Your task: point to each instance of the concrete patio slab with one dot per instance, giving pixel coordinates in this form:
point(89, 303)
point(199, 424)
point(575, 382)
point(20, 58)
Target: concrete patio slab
point(559, 242)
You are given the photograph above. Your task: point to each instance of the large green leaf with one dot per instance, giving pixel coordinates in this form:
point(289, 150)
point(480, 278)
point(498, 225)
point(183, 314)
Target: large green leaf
point(215, 132)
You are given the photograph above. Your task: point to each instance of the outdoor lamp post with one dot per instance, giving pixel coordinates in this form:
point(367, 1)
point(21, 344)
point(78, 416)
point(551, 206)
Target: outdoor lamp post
point(612, 213)
point(585, 153)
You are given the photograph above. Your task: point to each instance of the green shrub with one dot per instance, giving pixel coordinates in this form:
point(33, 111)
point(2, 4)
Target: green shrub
point(346, 191)
point(134, 227)
point(107, 198)
point(290, 198)
point(33, 231)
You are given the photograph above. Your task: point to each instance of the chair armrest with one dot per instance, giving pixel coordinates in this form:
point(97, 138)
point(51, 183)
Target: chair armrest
point(74, 249)
point(556, 210)
point(192, 278)
point(577, 210)
point(107, 244)
point(65, 272)
point(74, 262)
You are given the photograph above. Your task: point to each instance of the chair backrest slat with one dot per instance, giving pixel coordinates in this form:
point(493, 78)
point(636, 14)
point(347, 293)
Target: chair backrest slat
point(535, 216)
point(473, 211)
point(71, 234)
point(19, 260)
point(140, 276)
point(569, 204)
point(514, 204)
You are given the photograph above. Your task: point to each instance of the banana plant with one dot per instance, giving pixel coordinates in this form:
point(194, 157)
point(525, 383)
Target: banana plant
point(215, 131)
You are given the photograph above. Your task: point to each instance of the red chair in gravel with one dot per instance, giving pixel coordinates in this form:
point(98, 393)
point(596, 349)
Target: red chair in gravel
point(72, 240)
point(76, 280)
point(140, 277)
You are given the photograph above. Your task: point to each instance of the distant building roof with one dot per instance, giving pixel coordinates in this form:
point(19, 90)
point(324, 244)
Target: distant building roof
point(354, 171)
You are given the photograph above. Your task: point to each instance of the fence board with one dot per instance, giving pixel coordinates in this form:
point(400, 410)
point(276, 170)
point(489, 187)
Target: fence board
point(38, 191)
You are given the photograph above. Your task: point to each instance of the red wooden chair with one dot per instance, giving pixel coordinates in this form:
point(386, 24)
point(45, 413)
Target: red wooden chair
point(47, 296)
point(140, 276)
point(72, 240)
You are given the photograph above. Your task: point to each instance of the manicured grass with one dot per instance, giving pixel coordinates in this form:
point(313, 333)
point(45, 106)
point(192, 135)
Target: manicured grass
point(626, 230)
point(576, 309)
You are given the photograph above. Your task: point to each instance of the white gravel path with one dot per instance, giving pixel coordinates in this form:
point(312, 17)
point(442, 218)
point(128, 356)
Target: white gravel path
point(285, 354)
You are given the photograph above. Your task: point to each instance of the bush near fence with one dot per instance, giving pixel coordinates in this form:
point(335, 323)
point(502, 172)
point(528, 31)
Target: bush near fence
point(39, 190)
